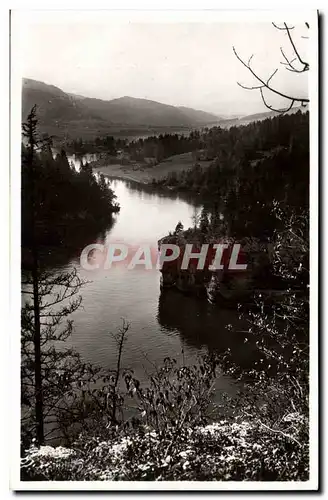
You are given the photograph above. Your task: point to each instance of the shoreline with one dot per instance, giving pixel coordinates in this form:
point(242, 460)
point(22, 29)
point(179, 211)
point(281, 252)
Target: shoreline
point(145, 174)
point(123, 177)
point(116, 172)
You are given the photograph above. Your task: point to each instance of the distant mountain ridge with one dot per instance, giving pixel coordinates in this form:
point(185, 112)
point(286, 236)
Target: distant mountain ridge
point(60, 112)
point(67, 115)
point(269, 114)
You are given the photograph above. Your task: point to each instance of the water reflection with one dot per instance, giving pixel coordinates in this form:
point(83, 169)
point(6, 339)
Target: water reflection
point(162, 324)
point(205, 326)
point(159, 192)
point(75, 236)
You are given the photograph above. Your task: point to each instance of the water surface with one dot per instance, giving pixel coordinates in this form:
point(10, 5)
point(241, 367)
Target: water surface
point(161, 323)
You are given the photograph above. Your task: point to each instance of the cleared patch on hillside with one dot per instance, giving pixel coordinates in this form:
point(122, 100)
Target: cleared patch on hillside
point(144, 173)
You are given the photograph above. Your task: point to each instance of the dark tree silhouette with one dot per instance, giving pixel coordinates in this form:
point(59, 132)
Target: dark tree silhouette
point(30, 134)
point(51, 373)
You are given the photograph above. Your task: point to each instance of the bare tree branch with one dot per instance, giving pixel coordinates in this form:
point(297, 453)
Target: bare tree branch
point(288, 29)
point(305, 64)
point(284, 110)
point(287, 63)
point(266, 84)
point(284, 28)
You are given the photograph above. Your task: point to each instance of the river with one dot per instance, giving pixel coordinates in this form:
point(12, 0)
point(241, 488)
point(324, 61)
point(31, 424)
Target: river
point(161, 323)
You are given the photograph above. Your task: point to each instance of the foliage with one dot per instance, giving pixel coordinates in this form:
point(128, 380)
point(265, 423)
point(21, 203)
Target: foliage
point(63, 196)
point(157, 147)
point(225, 451)
point(232, 448)
point(168, 428)
point(51, 374)
point(254, 167)
point(176, 433)
point(63, 372)
point(75, 395)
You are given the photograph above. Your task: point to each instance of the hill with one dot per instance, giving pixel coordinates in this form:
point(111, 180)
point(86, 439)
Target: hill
point(245, 120)
point(53, 104)
point(66, 115)
point(130, 111)
point(270, 114)
point(62, 114)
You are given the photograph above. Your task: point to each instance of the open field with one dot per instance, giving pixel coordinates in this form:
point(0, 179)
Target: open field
point(145, 174)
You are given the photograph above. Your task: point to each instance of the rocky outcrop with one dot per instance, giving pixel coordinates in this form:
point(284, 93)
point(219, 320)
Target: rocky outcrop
point(226, 285)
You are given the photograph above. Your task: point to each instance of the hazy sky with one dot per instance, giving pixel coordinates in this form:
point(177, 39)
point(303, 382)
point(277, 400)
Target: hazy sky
point(189, 64)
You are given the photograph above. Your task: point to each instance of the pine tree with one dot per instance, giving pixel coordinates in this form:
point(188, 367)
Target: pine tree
point(204, 222)
point(30, 134)
point(178, 228)
point(49, 372)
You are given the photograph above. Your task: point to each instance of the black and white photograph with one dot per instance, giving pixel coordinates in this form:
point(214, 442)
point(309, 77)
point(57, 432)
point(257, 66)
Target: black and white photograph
point(164, 178)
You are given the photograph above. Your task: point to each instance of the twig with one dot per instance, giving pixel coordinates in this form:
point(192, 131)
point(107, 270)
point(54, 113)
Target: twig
point(277, 431)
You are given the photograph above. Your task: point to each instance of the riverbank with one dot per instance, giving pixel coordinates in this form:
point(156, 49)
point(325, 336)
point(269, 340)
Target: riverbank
point(145, 174)
point(123, 172)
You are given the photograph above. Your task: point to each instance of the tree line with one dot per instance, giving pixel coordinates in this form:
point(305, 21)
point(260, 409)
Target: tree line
point(57, 197)
point(174, 427)
point(254, 168)
point(156, 147)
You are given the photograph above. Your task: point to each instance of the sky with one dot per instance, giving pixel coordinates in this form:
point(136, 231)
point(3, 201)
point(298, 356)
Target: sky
point(179, 63)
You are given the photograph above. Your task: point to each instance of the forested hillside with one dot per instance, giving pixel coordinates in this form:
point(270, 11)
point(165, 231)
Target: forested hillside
point(254, 168)
point(57, 198)
point(66, 115)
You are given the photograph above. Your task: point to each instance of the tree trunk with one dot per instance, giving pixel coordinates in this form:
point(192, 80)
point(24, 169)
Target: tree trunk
point(37, 352)
point(35, 279)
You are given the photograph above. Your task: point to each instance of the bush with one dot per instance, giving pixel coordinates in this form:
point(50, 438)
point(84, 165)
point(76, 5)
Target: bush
point(225, 450)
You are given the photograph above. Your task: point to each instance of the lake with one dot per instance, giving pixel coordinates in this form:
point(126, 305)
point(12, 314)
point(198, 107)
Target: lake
point(162, 324)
